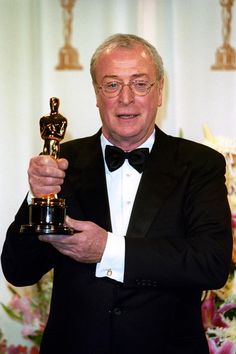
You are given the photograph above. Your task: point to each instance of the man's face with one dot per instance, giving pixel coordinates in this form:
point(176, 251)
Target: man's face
point(128, 119)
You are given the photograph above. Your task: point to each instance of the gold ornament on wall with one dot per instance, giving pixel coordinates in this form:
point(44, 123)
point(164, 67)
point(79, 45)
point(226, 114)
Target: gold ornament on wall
point(225, 57)
point(68, 56)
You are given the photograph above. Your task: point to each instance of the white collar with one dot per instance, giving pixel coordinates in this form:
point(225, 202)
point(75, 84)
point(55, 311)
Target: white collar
point(147, 143)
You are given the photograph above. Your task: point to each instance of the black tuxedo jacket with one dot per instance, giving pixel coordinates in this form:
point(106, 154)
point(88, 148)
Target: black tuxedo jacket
point(178, 243)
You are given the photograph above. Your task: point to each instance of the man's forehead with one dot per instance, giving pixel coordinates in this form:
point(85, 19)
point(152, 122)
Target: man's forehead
point(138, 49)
point(125, 62)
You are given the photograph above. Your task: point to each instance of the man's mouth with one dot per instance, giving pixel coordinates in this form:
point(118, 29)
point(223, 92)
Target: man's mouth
point(127, 116)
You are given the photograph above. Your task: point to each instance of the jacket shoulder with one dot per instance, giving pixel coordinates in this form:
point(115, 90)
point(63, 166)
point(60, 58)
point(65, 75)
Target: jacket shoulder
point(189, 150)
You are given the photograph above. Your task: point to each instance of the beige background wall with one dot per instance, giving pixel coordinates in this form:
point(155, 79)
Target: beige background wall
point(186, 33)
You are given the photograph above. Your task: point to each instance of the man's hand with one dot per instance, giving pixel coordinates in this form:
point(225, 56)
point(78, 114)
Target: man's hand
point(86, 245)
point(46, 175)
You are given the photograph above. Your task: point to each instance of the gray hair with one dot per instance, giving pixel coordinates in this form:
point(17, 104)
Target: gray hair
point(126, 41)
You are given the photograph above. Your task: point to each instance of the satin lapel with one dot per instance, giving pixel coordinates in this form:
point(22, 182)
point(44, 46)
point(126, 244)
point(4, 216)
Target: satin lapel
point(90, 182)
point(162, 173)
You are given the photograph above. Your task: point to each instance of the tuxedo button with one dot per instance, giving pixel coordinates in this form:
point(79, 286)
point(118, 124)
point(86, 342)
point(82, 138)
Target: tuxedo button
point(141, 282)
point(117, 311)
point(144, 282)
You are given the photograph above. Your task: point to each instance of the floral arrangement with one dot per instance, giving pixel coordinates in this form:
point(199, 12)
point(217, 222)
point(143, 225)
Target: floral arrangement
point(219, 306)
point(15, 349)
point(30, 307)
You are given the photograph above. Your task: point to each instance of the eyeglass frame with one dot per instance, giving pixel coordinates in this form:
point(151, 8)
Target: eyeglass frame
point(129, 84)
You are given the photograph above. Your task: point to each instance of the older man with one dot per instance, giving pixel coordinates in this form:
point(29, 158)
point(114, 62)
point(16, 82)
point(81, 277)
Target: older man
point(150, 217)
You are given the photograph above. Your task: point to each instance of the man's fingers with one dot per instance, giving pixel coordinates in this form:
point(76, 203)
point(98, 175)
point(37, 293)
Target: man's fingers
point(62, 164)
point(52, 238)
point(46, 166)
point(46, 175)
point(77, 225)
point(43, 191)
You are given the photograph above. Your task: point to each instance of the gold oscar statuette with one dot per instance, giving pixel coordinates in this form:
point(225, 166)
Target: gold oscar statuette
point(47, 214)
point(225, 56)
point(68, 55)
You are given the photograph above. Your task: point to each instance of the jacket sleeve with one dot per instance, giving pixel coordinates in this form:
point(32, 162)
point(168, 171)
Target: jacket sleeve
point(24, 258)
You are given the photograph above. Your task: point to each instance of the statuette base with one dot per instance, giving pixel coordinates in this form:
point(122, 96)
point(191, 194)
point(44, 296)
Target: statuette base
point(46, 216)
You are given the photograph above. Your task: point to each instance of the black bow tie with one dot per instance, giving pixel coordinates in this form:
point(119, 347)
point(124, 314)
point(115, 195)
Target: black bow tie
point(115, 158)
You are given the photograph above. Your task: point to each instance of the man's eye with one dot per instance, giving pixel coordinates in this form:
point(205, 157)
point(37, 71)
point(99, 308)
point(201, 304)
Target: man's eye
point(113, 85)
point(140, 84)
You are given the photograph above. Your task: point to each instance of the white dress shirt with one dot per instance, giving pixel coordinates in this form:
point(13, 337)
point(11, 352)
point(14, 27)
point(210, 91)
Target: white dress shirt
point(122, 186)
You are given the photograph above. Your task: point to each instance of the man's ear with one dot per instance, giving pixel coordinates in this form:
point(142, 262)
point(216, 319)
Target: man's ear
point(96, 93)
point(160, 91)
point(97, 100)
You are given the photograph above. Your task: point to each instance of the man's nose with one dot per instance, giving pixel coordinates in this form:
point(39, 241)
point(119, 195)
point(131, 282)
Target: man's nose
point(126, 95)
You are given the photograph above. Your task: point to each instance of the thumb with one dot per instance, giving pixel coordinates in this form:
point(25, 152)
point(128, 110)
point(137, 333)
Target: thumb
point(77, 225)
point(62, 164)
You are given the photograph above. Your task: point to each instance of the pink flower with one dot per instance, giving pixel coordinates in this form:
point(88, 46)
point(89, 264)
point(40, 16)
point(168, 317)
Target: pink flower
point(233, 220)
point(27, 330)
point(21, 305)
point(29, 315)
point(34, 350)
point(3, 346)
point(226, 348)
point(213, 317)
point(19, 349)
